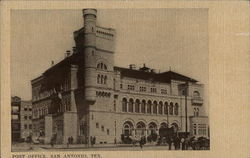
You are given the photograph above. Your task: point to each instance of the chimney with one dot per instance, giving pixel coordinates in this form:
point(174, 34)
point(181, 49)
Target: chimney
point(74, 50)
point(52, 63)
point(153, 70)
point(67, 54)
point(132, 66)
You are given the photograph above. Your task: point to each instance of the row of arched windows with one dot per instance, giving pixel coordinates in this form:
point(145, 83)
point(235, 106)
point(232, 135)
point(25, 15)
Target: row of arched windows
point(149, 107)
point(101, 66)
point(101, 79)
point(103, 94)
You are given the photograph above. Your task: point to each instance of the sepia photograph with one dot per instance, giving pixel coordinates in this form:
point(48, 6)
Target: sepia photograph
point(109, 79)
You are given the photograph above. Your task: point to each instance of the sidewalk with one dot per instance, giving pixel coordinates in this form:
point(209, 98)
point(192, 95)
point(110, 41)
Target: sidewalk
point(84, 146)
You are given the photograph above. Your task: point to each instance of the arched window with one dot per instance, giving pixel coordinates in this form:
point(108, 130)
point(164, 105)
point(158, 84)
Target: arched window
point(98, 78)
point(140, 129)
point(127, 128)
point(166, 108)
point(155, 107)
point(130, 105)
point(152, 128)
point(196, 111)
point(196, 94)
point(163, 125)
point(105, 79)
point(176, 109)
point(137, 106)
point(149, 107)
point(176, 127)
point(171, 108)
point(160, 107)
point(102, 79)
point(104, 67)
point(101, 66)
point(124, 105)
point(143, 106)
point(98, 66)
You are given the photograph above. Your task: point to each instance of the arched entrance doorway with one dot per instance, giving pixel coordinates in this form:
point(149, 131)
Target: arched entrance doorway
point(152, 132)
point(152, 128)
point(128, 128)
point(175, 127)
point(140, 129)
point(163, 125)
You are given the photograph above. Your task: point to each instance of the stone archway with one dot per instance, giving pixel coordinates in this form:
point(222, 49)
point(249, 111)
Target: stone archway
point(175, 126)
point(127, 128)
point(140, 129)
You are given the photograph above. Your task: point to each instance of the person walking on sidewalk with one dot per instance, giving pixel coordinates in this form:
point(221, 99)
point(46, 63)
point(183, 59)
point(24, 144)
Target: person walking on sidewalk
point(141, 142)
point(69, 140)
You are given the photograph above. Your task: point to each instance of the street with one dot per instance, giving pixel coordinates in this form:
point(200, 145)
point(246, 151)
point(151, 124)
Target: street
point(82, 147)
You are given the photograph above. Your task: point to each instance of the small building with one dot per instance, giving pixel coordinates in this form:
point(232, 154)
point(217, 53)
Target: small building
point(21, 119)
point(15, 119)
point(26, 119)
point(86, 95)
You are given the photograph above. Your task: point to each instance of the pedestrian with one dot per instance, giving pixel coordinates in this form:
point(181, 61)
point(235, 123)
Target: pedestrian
point(176, 143)
point(170, 140)
point(52, 142)
point(71, 140)
point(141, 142)
point(182, 143)
point(94, 140)
point(91, 141)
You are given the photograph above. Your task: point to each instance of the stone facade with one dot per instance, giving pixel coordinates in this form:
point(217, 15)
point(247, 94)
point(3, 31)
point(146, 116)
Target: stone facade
point(86, 95)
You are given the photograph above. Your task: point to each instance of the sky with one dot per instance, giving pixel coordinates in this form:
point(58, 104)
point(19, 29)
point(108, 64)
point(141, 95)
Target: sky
point(160, 38)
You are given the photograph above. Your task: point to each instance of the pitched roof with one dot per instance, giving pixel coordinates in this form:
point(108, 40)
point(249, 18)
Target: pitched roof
point(164, 77)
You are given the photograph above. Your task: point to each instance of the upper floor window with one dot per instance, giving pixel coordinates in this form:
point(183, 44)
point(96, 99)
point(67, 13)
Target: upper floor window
point(195, 129)
point(155, 107)
point(196, 94)
point(101, 66)
point(164, 91)
point(196, 111)
point(131, 87)
point(171, 108)
point(124, 105)
point(142, 89)
point(202, 129)
point(153, 90)
point(176, 110)
point(101, 79)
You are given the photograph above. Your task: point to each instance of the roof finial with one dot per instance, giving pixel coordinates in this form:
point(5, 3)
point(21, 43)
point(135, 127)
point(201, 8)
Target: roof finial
point(169, 68)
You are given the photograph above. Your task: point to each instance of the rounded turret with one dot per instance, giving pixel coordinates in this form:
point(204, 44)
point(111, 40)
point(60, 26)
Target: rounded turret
point(89, 44)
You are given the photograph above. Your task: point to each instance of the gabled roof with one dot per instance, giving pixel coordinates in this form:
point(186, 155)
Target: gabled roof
point(164, 77)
